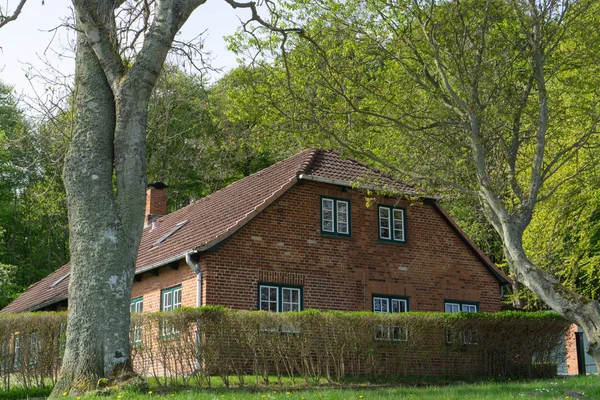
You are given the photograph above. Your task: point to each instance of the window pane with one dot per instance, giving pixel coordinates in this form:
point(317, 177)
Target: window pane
point(272, 306)
point(469, 308)
point(380, 305)
point(167, 301)
point(291, 299)
point(268, 298)
point(264, 293)
point(327, 215)
point(381, 332)
point(342, 217)
point(384, 223)
point(398, 305)
point(177, 298)
point(452, 307)
point(399, 225)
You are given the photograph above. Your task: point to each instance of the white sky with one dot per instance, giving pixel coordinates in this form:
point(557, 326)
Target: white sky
point(26, 40)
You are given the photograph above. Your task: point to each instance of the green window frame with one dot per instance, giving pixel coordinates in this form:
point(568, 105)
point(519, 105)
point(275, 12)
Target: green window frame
point(336, 216)
point(454, 306)
point(277, 297)
point(137, 331)
point(384, 304)
point(391, 223)
point(170, 299)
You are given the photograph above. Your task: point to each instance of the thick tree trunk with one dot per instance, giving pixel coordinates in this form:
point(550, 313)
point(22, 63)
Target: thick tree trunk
point(571, 305)
point(103, 246)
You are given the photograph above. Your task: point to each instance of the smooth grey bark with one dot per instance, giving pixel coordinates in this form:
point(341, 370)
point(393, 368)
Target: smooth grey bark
point(101, 262)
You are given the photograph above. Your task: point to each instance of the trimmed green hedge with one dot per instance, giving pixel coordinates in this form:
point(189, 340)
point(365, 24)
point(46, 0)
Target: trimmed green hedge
point(193, 346)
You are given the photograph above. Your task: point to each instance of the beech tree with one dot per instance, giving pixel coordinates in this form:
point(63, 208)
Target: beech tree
point(493, 98)
point(117, 66)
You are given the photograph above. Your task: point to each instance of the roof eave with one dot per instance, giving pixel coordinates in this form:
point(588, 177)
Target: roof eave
point(164, 262)
point(46, 303)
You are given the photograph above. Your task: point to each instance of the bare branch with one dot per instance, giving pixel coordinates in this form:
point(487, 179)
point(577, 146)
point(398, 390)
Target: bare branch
point(4, 19)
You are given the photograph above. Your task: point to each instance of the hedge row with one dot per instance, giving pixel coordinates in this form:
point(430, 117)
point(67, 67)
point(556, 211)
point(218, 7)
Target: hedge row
point(193, 346)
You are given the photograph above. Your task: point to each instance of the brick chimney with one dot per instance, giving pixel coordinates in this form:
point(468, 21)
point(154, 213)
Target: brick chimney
point(156, 202)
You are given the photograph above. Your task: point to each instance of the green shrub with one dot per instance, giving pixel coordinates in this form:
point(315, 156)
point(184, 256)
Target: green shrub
point(192, 346)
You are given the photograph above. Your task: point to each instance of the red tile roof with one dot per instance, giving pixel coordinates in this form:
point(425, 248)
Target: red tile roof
point(212, 219)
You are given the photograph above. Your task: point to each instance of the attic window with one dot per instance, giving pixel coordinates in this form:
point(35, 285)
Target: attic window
point(62, 278)
point(171, 232)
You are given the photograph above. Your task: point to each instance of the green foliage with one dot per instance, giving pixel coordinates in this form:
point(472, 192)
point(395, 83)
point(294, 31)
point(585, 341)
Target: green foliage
point(402, 84)
point(33, 216)
point(201, 139)
point(9, 289)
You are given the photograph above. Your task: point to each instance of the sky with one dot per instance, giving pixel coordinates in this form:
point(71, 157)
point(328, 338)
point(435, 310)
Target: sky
point(24, 43)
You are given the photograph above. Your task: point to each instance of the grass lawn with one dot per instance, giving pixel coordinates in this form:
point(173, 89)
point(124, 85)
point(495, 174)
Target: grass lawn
point(540, 389)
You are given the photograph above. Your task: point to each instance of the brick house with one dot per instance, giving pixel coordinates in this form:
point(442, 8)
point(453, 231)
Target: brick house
point(306, 232)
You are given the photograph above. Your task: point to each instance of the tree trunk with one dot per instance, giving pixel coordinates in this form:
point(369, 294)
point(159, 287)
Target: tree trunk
point(103, 248)
point(571, 305)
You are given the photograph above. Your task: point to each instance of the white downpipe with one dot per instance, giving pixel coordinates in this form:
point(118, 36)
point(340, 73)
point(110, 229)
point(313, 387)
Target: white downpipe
point(196, 268)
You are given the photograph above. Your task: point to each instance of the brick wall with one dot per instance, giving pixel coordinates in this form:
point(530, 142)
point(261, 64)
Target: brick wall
point(284, 244)
point(150, 286)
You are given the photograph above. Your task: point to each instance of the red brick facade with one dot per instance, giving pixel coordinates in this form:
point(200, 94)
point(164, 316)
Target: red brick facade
point(284, 244)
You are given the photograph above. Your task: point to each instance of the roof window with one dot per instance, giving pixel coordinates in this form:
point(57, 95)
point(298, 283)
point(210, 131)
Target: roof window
point(171, 232)
point(59, 280)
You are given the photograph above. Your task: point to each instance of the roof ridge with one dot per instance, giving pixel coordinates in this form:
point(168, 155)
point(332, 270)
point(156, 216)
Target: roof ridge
point(202, 199)
point(307, 165)
point(380, 172)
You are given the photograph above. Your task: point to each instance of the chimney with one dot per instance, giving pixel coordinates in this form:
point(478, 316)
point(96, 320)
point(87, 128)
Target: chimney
point(156, 202)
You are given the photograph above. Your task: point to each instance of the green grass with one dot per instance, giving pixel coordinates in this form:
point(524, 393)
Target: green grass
point(539, 389)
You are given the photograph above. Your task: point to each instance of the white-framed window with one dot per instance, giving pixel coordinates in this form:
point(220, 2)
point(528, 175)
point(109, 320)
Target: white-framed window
point(279, 298)
point(17, 351)
point(335, 216)
point(390, 304)
point(137, 331)
point(392, 224)
point(464, 336)
point(170, 300)
point(460, 306)
point(34, 348)
point(4, 354)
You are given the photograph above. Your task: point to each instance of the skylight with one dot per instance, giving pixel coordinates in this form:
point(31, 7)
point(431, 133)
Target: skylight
point(171, 232)
point(62, 278)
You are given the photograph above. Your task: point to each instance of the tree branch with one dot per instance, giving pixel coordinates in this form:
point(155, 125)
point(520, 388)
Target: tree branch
point(6, 19)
